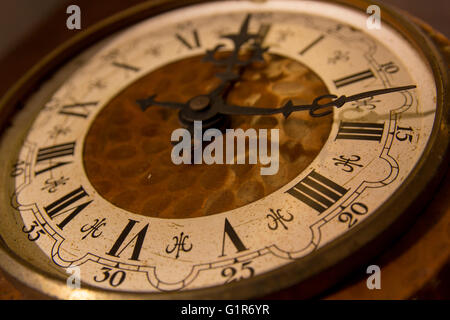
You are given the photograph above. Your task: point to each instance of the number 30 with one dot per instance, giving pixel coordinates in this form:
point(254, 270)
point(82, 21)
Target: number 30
point(115, 279)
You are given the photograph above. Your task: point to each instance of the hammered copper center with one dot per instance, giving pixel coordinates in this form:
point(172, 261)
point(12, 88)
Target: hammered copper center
point(127, 154)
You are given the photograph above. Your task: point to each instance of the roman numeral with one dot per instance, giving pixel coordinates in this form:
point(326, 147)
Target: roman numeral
point(317, 192)
point(367, 74)
point(232, 235)
point(312, 44)
point(360, 131)
point(186, 43)
point(77, 109)
point(263, 31)
point(138, 241)
point(125, 66)
point(53, 152)
point(61, 206)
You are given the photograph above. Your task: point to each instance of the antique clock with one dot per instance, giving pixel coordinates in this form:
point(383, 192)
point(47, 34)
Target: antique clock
point(358, 123)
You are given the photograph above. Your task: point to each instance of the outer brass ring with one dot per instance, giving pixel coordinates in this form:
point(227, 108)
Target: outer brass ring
point(312, 273)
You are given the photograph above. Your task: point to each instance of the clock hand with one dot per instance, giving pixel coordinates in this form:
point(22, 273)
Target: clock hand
point(342, 100)
point(221, 107)
point(150, 101)
point(238, 39)
point(232, 61)
point(228, 77)
point(289, 107)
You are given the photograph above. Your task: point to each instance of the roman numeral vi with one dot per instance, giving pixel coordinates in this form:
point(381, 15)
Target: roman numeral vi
point(138, 241)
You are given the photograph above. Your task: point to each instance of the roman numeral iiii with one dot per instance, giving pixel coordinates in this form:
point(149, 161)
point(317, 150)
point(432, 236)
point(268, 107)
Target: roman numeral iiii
point(54, 152)
point(317, 192)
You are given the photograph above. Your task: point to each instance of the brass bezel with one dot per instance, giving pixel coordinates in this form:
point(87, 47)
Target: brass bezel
point(328, 263)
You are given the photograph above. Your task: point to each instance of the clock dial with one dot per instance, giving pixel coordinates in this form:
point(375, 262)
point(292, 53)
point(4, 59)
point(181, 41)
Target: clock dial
point(94, 181)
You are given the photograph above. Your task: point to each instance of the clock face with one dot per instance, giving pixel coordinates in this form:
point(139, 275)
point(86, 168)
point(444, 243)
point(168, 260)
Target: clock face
point(348, 113)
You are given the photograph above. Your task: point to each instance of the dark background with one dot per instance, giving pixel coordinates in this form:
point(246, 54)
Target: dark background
point(19, 17)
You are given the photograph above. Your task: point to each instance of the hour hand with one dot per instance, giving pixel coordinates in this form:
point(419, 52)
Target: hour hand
point(150, 101)
point(286, 110)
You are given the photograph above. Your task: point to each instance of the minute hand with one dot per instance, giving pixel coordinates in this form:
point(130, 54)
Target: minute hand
point(289, 107)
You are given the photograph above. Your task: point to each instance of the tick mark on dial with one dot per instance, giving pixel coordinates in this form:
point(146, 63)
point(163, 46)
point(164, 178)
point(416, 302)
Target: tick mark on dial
point(125, 66)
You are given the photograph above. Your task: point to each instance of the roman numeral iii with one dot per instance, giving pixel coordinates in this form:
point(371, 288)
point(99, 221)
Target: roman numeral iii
point(317, 192)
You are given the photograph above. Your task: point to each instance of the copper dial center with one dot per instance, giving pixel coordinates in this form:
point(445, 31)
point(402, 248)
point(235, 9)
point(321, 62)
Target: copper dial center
point(127, 152)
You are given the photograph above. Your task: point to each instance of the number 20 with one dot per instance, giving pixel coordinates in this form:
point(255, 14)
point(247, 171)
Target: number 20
point(357, 208)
